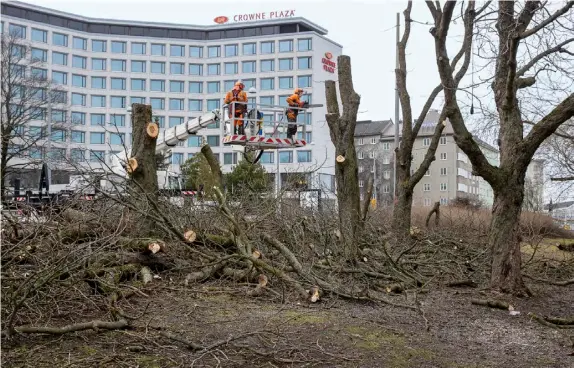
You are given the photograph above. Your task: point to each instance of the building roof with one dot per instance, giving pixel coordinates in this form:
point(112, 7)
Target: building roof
point(6, 5)
point(559, 205)
point(369, 127)
point(482, 143)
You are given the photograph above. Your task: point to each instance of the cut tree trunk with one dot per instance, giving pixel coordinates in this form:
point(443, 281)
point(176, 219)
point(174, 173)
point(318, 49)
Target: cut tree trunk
point(436, 211)
point(342, 131)
point(504, 240)
point(142, 164)
point(403, 207)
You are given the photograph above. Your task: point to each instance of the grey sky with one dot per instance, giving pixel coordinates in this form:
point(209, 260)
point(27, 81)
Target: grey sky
point(364, 28)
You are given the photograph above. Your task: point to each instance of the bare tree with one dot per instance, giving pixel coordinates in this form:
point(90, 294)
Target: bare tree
point(558, 153)
point(342, 129)
point(410, 129)
point(27, 93)
point(512, 76)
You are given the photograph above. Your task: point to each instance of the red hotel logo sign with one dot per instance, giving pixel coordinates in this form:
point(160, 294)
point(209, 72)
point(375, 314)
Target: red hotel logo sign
point(328, 65)
point(221, 19)
point(256, 16)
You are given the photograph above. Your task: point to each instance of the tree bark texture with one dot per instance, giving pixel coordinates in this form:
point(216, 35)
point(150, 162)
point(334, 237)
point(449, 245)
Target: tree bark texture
point(516, 149)
point(504, 240)
point(213, 164)
point(143, 160)
point(342, 131)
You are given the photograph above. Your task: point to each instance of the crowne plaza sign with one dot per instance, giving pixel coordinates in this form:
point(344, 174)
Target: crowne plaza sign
point(277, 14)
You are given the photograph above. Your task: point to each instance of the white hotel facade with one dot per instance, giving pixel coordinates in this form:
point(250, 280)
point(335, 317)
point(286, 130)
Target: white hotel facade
point(182, 71)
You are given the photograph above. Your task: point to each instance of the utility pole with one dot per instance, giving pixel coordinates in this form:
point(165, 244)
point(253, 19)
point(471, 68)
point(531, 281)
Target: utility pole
point(396, 109)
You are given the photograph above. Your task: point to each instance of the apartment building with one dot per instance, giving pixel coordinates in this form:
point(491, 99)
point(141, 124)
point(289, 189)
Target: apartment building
point(182, 71)
point(448, 177)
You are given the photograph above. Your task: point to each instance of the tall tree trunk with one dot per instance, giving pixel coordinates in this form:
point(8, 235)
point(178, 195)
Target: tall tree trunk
point(504, 240)
point(403, 203)
point(143, 164)
point(342, 131)
point(4, 166)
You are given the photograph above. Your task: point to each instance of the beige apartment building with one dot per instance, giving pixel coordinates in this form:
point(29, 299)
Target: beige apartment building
point(449, 176)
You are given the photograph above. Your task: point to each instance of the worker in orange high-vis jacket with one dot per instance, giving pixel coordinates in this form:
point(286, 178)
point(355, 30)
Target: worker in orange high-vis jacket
point(237, 95)
point(294, 101)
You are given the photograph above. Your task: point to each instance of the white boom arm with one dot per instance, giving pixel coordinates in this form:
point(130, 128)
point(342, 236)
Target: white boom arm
point(169, 138)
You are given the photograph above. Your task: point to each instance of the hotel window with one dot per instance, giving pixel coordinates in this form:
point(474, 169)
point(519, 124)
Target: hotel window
point(285, 82)
point(213, 69)
point(195, 105)
point(60, 77)
point(443, 156)
point(59, 58)
point(158, 67)
point(118, 102)
point(286, 46)
point(99, 45)
point(176, 104)
point(267, 100)
point(248, 67)
point(177, 50)
point(195, 87)
point(285, 64)
point(138, 66)
point(213, 140)
point(443, 171)
point(231, 68)
point(267, 84)
point(138, 84)
point(79, 43)
point(304, 44)
point(157, 103)
point(443, 187)
point(59, 39)
point(119, 47)
point(97, 156)
point(98, 101)
point(97, 119)
point(78, 118)
point(196, 51)
point(79, 62)
point(177, 68)
point(17, 30)
point(426, 142)
point(118, 84)
point(249, 48)
point(194, 141)
point(267, 65)
point(118, 65)
point(118, 120)
point(138, 48)
point(228, 85)
point(286, 157)
point(213, 51)
point(213, 104)
point(138, 100)
point(160, 120)
point(175, 121)
point(443, 140)
point(78, 99)
point(97, 138)
point(304, 156)
point(213, 87)
point(99, 82)
point(157, 49)
point(176, 86)
point(304, 81)
point(195, 69)
point(98, 64)
point(304, 62)
point(268, 47)
point(157, 85)
point(117, 138)
point(426, 187)
point(249, 83)
point(267, 158)
point(39, 55)
point(231, 50)
point(79, 81)
point(39, 35)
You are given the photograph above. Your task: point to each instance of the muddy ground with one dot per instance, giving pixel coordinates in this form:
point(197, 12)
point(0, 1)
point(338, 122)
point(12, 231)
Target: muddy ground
point(234, 330)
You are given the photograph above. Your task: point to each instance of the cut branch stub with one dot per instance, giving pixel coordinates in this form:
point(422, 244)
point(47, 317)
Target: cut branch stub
point(152, 130)
point(190, 236)
point(132, 165)
point(340, 159)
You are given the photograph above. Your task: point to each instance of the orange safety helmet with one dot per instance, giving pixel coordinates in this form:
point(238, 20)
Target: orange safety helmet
point(299, 91)
point(239, 86)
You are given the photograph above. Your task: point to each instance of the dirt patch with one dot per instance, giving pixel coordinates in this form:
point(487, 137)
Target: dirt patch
point(332, 333)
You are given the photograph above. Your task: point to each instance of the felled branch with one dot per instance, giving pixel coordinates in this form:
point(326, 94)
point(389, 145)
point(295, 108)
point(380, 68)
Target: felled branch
point(93, 325)
point(498, 304)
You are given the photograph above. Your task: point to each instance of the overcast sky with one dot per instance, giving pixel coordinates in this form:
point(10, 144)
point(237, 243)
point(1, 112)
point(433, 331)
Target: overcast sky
point(366, 29)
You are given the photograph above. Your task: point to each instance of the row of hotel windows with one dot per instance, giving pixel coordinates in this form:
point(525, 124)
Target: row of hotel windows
point(159, 49)
point(159, 67)
point(426, 187)
point(387, 145)
point(177, 158)
point(97, 119)
point(159, 85)
point(157, 103)
point(77, 136)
